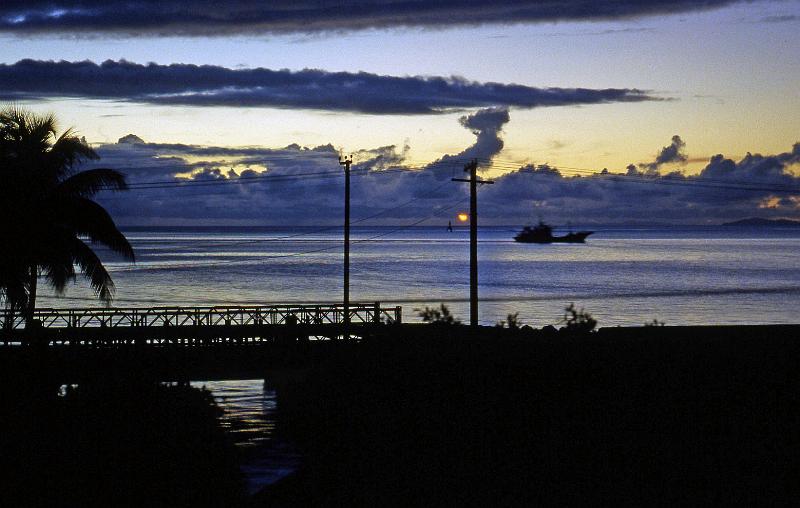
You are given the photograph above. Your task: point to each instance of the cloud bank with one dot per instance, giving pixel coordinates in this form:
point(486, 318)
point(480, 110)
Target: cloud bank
point(207, 18)
point(757, 185)
point(208, 85)
point(296, 185)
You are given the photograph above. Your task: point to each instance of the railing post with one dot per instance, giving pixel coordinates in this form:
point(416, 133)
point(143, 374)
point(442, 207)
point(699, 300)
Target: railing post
point(376, 315)
point(398, 315)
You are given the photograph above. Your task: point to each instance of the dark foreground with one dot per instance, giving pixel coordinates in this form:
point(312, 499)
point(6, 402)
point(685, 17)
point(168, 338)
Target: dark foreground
point(130, 444)
point(433, 416)
point(650, 416)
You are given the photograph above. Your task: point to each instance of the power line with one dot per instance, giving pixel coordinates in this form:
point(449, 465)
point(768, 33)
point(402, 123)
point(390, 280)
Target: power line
point(241, 180)
point(321, 230)
point(451, 162)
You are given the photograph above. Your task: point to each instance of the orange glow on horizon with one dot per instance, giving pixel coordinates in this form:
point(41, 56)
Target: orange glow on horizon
point(463, 217)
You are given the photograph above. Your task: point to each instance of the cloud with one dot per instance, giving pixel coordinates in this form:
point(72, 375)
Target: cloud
point(301, 185)
point(486, 124)
point(253, 17)
point(723, 190)
point(672, 154)
point(297, 185)
point(208, 85)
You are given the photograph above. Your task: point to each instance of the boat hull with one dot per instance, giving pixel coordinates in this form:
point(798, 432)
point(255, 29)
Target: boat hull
point(579, 237)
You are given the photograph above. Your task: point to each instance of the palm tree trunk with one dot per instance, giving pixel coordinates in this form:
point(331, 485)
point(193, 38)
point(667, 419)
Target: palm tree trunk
point(34, 279)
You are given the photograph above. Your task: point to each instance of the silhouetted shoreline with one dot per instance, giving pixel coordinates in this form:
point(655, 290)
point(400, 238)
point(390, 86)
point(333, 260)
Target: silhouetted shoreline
point(761, 222)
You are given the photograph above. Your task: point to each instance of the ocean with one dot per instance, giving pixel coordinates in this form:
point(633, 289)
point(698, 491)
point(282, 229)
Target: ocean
point(623, 276)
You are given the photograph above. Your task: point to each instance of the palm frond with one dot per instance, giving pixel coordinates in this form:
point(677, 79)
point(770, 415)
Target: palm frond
point(55, 261)
point(68, 151)
point(88, 183)
point(85, 217)
point(59, 269)
point(14, 270)
point(45, 208)
point(93, 268)
point(12, 285)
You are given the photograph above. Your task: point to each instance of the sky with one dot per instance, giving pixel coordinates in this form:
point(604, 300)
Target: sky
point(691, 107)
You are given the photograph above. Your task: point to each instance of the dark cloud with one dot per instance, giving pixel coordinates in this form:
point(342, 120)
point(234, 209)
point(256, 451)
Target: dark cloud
point(753, 171)
point(131, 139)
point(487, 125)
point(671, 154)
point(757, 185)
point(208, 85)
point(207, 18)
point(304, 186)
point(300, 184)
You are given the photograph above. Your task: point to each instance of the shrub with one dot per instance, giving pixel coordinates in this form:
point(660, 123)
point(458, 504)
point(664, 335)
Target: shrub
point(441, 315)
point(513, 322)
point(578, 321)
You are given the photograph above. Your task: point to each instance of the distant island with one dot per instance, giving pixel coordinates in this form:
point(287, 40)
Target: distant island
point(758, 221)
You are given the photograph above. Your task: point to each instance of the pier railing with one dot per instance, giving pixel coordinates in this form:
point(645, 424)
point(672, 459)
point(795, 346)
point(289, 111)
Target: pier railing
point(203, 316)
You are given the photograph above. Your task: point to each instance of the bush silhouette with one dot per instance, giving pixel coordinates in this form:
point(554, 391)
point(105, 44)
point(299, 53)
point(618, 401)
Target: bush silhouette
point(578, 321)
point(512, 321)
point(440, 316)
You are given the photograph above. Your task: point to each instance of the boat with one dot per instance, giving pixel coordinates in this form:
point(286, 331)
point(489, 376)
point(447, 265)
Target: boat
point(543, 233)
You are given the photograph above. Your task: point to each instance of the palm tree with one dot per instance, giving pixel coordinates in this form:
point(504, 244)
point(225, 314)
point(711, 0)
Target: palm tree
point(46, 211)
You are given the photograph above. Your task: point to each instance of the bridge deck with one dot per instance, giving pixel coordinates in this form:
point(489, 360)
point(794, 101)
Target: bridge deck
point(193, 325)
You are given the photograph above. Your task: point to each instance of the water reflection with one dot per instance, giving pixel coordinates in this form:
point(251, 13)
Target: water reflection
point(250, 419)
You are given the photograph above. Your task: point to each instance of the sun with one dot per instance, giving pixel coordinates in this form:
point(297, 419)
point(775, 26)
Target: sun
point(463, 217)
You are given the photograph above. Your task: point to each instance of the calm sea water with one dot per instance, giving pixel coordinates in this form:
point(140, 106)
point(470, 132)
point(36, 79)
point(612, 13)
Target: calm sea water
point(623, 276)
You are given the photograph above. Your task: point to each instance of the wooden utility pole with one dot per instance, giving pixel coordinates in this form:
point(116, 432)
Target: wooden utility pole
point(346, 162)
point(473, 181)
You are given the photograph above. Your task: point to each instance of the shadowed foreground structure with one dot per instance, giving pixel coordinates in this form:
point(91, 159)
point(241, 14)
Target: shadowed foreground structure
point(427, 415)
point(116, 444)
point(649, 416)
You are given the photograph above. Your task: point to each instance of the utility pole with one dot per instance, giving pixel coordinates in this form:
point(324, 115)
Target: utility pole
point(473, 181)
point(346, 162)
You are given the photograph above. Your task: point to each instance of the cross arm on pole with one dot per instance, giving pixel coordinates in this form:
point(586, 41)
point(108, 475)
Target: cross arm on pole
point(468, 181)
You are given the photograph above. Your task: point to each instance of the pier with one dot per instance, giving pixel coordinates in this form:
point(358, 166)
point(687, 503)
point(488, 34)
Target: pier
point(183, 343)
point(186, 325)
